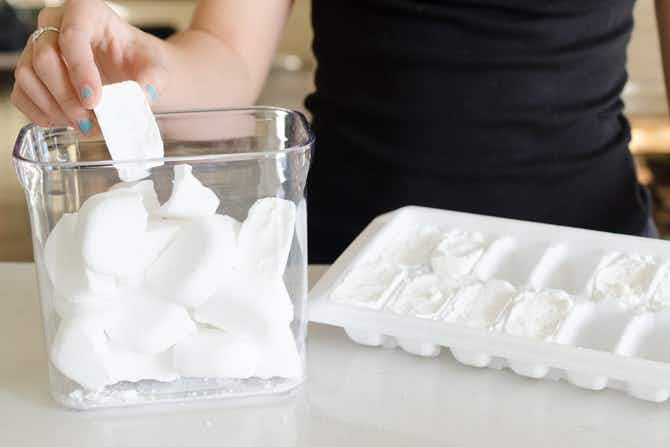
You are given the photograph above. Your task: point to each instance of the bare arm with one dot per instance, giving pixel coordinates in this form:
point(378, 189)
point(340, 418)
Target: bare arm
point(221, 60)
point(224, 57)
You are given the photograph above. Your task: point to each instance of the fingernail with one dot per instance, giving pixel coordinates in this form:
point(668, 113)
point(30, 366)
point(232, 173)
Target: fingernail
point(85, 125)
point(86, 92)
point(152, 92)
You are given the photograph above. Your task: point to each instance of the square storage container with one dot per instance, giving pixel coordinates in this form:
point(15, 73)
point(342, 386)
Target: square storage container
point(188, 284)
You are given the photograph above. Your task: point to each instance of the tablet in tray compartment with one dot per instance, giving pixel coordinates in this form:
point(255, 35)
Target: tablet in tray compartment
point(411, 248)
point(450, 254)
point(423, 296)
point(538, 314)
point(625, 278)
point(457, 253)
point(369, 285)
point(480, 304)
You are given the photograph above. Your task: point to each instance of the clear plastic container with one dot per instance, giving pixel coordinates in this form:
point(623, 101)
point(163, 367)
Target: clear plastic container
point(242, 155)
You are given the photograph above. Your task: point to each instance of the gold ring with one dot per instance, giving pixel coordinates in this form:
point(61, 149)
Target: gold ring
point(39, 31)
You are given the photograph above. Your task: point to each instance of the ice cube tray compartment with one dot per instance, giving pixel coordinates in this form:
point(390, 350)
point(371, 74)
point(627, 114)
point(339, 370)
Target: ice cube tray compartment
point(569, 268)
point(595, 325)
point(637, 272)
point(421, 296)
point(598, 343)
point(659, 290)
point(510, 259)
point(370, 285)
point(646, 336)
point(466, 308)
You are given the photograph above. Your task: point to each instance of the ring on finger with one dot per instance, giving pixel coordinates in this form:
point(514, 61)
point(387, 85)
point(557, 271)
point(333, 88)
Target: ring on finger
point(41, 30)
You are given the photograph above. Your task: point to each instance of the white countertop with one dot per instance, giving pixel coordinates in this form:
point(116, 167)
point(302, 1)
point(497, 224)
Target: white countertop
point(354, 396)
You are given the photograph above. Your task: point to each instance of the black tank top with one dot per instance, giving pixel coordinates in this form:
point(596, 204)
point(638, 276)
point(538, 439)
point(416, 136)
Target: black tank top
point(501, 107)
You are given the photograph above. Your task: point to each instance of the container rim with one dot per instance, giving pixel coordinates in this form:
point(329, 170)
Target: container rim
point(16, 152)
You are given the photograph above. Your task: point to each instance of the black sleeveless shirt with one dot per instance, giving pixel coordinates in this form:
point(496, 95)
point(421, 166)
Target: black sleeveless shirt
point(502, 107)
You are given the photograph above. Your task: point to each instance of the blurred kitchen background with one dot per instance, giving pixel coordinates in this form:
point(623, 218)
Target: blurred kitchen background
point(291, 79)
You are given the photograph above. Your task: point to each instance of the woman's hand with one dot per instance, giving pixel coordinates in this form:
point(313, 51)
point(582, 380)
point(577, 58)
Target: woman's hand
point(59, 77)
point(220, 61)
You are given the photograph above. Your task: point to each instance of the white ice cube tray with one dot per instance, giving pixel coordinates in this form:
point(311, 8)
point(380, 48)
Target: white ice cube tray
point(598, 344)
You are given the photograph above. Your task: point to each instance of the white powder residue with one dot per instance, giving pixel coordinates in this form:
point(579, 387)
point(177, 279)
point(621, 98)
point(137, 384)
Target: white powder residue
point(422, 297)
point(457, 253)
point(413, 249)
point(480, 304)
point(369, 285)
point(625, 278)
point(538, 314)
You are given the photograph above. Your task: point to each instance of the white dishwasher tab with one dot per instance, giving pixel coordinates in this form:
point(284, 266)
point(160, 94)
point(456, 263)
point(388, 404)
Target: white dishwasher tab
point(129, 128)
point(190, 199)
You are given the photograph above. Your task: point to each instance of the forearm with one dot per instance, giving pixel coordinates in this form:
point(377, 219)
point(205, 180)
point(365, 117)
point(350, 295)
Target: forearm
point(663, 21)
point(223, 58)
point(203, 73)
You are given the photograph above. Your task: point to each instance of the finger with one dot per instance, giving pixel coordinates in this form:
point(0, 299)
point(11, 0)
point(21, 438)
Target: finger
point(50, 68)
point(75, 46)
point(23, 102)
point(31, 86)
point(74, 42)
point(50, 16)
point(152, 81)
point(149, 73)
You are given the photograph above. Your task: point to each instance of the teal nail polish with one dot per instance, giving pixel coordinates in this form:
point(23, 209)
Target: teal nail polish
point(85, 125)
point(85, 92)
point(152, 92)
